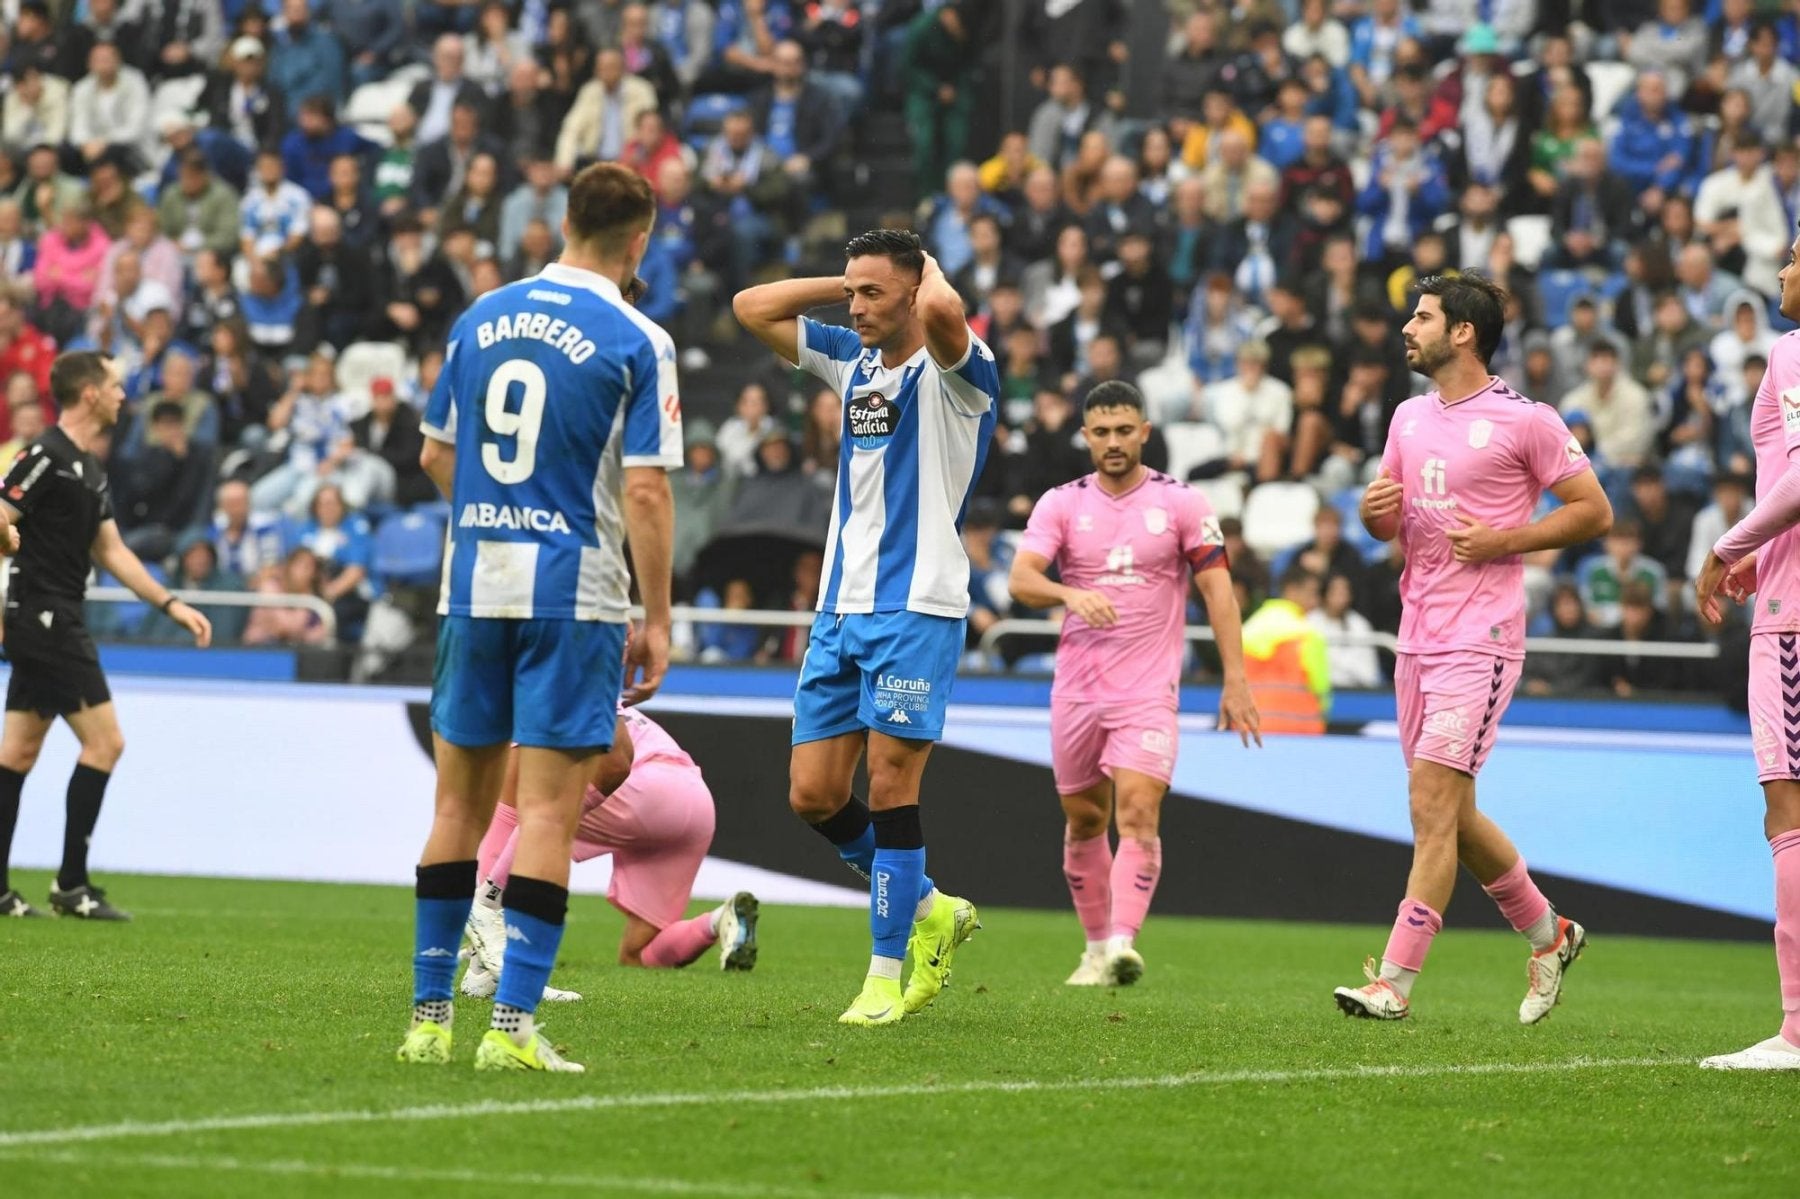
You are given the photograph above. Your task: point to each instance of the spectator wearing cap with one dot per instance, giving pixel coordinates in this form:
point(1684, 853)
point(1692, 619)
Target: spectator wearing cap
point(373, 35)
point(528, 116)
point(35, 110)
point(180, 37)
point(306, 60)
point(316, 139)
point(274, 212)
point(390, 431)
point(160, 491)
point(604, 113)
point(1770, 81)
point(241, 100)
point(1616, 406)
point(109, 109)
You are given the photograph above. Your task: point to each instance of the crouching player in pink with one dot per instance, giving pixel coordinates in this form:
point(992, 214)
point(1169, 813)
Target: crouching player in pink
point(1124, 540)
point(1464, 469)
point(648, 806)
point(1760, 555)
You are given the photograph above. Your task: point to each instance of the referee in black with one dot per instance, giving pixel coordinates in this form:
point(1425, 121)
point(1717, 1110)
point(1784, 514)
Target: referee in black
point(56, 490)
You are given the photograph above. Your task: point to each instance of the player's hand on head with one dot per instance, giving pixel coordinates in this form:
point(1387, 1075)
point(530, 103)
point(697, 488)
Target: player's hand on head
point(646, 662)
point(1093, 608)
point(1237, 712)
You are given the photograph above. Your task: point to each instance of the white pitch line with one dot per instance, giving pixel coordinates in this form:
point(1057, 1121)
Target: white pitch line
point(580, 1182)
point(82, 1133)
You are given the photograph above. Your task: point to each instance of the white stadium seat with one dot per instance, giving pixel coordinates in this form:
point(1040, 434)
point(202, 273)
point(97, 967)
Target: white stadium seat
point(371, 103)
point(361, 364)
point(1226, 495)
point(1190, 444)
point(1279, 516)
point(1609, 81)
point(1531, 237)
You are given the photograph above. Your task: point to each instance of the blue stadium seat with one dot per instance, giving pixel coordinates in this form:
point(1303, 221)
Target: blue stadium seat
point(409, 550)
point(436, 509)
point(704, 116)
point(121, 620)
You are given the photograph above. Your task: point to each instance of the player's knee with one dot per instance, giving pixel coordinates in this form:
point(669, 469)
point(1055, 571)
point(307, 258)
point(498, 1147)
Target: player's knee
point(1085, 821)
point(1433, 813)
point(812, 802)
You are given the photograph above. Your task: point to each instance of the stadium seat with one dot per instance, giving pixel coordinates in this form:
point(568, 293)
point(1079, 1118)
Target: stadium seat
point(1349, 506)
point(1226, 495)
point(1279, 515)
point(176, 97)
point(1557, 290)
point(361, 364)
point(436, 509)
point(1190, 444)
point(1531, 237)
point(704, 116)
point(370, 104)
point(409, 550)
point(1609, 81)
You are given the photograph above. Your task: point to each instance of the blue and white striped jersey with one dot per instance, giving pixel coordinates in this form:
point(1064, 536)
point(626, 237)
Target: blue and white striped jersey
point(915, 438)
point(551, 387)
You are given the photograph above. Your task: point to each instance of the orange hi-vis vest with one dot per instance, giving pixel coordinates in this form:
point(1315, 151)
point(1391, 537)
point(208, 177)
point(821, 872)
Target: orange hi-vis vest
point(1285, 664)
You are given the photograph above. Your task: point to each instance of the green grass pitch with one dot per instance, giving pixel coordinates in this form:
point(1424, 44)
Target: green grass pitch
point(238, 1039)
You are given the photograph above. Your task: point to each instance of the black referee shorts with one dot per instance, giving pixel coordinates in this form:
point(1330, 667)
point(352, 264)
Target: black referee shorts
point(55, 670)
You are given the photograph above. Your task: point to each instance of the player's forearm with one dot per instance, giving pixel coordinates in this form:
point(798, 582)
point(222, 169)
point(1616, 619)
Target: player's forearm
point(438, 460)
point(1574, 523)
point(650, 527)
point(1034, 589)
point(769, 309)
point(1776, 513)
point(1227, 622)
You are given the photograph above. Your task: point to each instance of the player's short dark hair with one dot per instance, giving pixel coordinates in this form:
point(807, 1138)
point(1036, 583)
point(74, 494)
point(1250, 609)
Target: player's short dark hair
point(1473, 299)
point(1114, 393)
point(902, 247)
point(1297, 576)
point(608, 203)
point(73, 373)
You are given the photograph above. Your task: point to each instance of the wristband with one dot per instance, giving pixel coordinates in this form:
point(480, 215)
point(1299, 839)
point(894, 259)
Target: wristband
point(167, 604)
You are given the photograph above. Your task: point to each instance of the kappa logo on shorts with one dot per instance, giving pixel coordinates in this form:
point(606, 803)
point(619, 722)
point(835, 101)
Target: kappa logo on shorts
point(899, 716)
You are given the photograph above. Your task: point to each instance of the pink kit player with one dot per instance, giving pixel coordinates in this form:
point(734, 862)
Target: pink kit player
point(1124, 540)
point(1463, 472)
point(1760, 555)
point(648, 806)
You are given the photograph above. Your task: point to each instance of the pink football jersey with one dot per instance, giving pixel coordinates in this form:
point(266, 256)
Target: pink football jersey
point(1138, 550)
point(1775, 431)
point(1490, 457)
point(650, 741)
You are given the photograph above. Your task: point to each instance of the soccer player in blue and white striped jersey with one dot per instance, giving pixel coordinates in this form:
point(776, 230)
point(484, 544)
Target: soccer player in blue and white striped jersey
point(551, 431)
point(920, 397)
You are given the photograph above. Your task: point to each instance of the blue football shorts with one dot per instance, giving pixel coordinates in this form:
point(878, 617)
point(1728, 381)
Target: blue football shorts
point(890, 672)
point(552, 684)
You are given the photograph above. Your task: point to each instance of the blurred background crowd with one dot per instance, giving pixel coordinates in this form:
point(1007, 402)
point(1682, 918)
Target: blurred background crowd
point(271, 212)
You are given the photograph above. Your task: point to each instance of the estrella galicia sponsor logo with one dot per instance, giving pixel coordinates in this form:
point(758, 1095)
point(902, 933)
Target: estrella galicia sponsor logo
point(872, 420)
point(510, 516)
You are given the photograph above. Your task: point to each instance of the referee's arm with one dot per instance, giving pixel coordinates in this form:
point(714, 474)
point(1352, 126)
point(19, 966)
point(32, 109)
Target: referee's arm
point(111, 554)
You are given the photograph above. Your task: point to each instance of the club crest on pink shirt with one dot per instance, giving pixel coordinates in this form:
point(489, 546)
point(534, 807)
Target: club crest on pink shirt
point(1156, 520)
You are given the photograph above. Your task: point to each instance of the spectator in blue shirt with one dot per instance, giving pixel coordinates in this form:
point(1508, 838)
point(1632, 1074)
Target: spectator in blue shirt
point(1407, 190)
point(1280, 143)
point(316, 139)
point(305, 60)
point(1653, 149)
point(947, 228)
point(246, 540)
point(1373, 41)
point(344, 544)
point(271, 304)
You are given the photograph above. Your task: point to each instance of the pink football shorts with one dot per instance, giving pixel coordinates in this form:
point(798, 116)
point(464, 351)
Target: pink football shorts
point(1775, 705)
point(1450, 706)
point(657, 827)
point(1089, 739)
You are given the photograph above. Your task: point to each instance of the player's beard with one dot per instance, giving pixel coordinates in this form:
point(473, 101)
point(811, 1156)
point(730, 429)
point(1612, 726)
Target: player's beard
point(1428, 358)
point(1119, 466)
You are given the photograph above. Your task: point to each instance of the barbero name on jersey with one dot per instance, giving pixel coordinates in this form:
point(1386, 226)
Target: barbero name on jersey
point(537, 326)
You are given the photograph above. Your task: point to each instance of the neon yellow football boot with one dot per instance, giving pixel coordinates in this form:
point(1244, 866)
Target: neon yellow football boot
point(934, 943)
point(879, 1003)
point(427, 1043)
point(498, 1051)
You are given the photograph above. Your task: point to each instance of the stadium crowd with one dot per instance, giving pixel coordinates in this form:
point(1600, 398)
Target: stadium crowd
point(272, 216)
